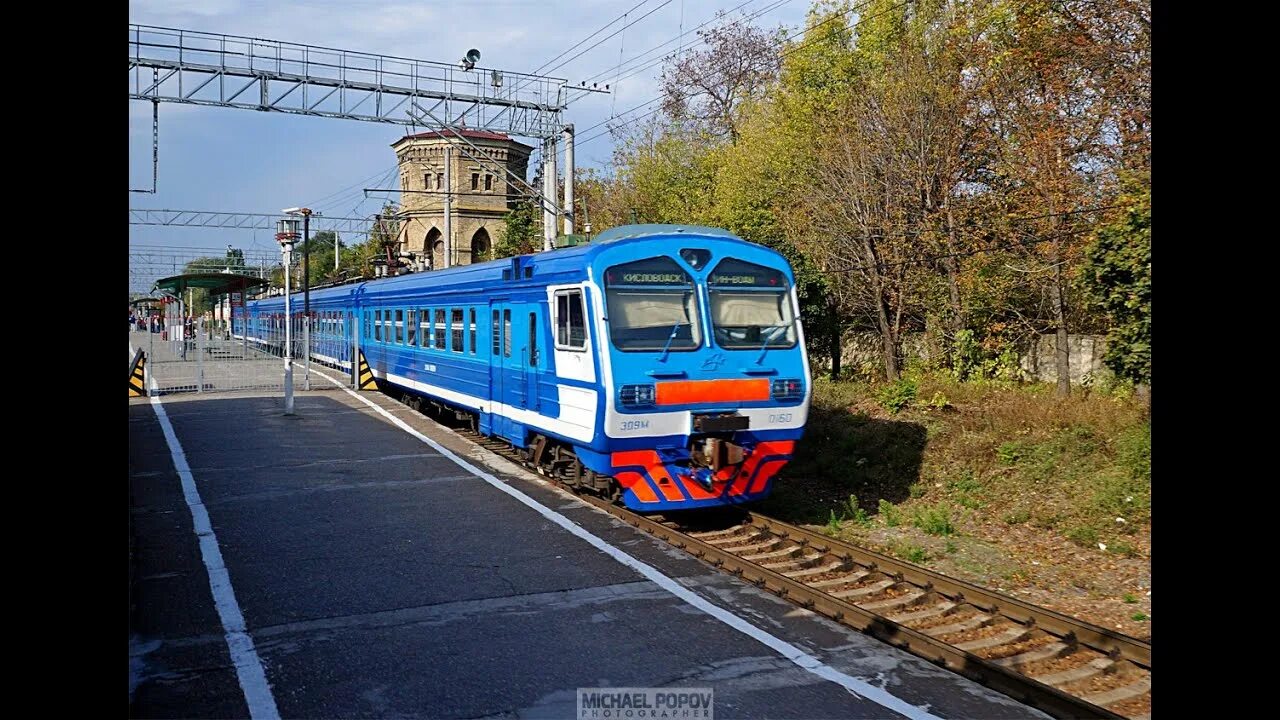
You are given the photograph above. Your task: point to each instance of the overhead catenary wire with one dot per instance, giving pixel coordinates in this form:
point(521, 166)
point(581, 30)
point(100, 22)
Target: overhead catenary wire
point(644, 65)
point(781, 55)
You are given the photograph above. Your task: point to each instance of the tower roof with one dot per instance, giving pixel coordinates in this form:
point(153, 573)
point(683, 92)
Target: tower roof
point(464, 132)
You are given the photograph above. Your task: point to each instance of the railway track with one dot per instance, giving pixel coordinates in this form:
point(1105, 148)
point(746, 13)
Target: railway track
point(1063, 666)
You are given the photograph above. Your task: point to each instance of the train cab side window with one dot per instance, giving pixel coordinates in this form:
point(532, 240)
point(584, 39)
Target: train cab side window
point(496, 332)
point(473, 331)
point(533, 339)
point(440, 336)
point(506, 333)
point(455, 330)
point(377, 325)
point(571, 325)
point(411, 327)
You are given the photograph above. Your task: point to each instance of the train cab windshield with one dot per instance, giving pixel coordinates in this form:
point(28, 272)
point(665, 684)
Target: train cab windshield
point(653, 306)
point(750, 306)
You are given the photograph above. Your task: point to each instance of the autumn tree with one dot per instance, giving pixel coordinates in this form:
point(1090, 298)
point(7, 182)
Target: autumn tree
point(708, 86)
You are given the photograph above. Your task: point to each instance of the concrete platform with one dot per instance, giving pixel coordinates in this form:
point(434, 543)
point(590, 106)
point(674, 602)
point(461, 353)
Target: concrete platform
point(378, 578)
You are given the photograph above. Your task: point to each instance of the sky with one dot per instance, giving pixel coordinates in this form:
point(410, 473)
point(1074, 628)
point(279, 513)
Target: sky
point(233, 160)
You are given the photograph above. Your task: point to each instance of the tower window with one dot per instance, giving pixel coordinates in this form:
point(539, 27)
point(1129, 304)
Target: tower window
point(475, 181)
point(440, 181)
point(426, 181)
point(488, 182)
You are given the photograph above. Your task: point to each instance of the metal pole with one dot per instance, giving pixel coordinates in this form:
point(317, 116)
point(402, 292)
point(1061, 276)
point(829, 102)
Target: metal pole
point(568, 179)
point(199, 330)
point(306, 299)
point(337, 249)
point(288, 342)
point(448, 207)
point(550, 212)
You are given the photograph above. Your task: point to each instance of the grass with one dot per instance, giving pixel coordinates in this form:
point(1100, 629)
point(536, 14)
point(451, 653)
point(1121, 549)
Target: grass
point(997, 454)
point(1130, 598)
point(1139, 617)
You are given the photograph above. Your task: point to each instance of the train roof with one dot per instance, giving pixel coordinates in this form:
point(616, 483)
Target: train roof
point(552, 266)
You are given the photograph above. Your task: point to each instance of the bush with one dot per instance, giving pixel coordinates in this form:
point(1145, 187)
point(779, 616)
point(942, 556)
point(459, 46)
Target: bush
point(891, 515)
point(934, 520)
point(897, 395)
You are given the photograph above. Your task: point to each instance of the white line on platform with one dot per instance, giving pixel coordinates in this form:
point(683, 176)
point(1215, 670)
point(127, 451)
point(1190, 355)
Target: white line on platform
point(789, 651)
point(253, 679)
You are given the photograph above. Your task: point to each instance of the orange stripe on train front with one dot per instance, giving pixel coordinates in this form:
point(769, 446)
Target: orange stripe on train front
point(685, 392)
point(635, 482)
point(652, 463)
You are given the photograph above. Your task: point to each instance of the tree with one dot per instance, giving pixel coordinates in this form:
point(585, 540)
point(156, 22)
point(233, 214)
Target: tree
point(707, 87)
point(1118, 277)
point(522, 231)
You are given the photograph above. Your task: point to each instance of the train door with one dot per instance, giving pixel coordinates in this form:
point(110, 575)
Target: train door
point(503, 372)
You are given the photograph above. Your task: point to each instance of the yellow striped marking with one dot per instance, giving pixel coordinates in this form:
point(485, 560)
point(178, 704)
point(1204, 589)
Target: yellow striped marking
point(366, 379)
point(137, 379)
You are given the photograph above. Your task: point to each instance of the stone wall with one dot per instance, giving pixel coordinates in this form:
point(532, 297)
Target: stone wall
point(1037, 362)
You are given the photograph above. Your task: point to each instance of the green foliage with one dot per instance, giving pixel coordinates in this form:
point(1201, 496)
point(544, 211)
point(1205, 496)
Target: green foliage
point(911, 552)
point(935, 520)
point(1130, 598)
point(833, 524)
point(521, 232)
point(1083, 535)
point(890, 514)
point(1009, 453)
point(897, 395)
point(1118, 277)
point(854, 512)
point(1139, 617)
point(1122, 547)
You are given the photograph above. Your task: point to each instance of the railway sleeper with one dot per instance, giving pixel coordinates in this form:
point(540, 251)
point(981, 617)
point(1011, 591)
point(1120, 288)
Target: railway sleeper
point(728, 542)
point(746, 545)
point(941, 608)
point(907, 600)
point(1044, 652)
point(799, 563)
point(1141, 686)
point(1017, 633)
point(845, 580)
point(817, 570)
point(793, 551)
point(1094, 667)
point(705, 534)
point(873, 589)
point(975, 621)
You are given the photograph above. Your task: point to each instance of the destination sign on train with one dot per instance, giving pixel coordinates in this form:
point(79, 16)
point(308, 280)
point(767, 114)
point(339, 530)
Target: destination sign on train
point(732, 272)
point(655, 271)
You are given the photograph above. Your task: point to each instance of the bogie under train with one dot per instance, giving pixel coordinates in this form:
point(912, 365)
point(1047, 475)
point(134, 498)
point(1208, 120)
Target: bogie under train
point(664, 365)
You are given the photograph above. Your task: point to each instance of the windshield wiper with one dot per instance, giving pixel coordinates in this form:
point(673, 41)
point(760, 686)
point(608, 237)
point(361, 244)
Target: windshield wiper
point(665, 348)
point(768, 336)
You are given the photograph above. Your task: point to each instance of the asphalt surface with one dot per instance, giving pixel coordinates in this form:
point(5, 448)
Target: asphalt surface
point(378, 578)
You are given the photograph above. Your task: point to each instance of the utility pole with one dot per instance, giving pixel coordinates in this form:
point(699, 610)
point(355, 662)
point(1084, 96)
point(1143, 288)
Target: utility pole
point(568, 179)
point(337, 249)
point(306, 292)
point(550, 208)
point(287, 233)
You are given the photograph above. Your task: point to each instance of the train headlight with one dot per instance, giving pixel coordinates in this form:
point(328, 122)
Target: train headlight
point(633, 396)
point(788, 389)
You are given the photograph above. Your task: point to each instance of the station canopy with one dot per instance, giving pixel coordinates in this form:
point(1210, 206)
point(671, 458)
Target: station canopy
point(215, 283)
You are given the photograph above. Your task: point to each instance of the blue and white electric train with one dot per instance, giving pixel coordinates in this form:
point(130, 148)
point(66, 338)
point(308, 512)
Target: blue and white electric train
point(661, 364)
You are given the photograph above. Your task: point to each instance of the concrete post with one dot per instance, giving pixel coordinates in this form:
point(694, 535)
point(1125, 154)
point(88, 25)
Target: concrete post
point(550, 214)
point(568, 179)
